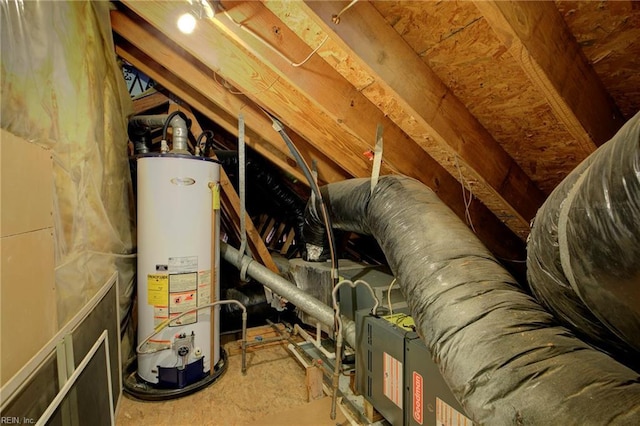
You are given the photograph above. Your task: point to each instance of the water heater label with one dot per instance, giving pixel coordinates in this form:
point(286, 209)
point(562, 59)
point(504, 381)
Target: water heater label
point(160, 314)
point(183, 264)
point(158, 289)
point(183, 181)
point(179, 283)
point(392, 379)
point(204, 287)
point(183, 297)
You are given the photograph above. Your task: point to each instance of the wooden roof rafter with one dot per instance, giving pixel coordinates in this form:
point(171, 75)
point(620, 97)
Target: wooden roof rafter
point(439, 122)
point(240, 67)
point(177, 73)
point(538, 39)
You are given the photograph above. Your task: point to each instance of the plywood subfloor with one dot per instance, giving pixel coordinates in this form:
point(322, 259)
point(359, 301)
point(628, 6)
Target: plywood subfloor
point(273, 392)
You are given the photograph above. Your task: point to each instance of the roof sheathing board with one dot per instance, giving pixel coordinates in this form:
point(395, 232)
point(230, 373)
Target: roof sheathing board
point(609, 34)
point(455, 40)
point(387, 101)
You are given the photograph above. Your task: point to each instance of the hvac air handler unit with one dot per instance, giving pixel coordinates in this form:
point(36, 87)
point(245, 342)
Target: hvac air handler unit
point(394, 373)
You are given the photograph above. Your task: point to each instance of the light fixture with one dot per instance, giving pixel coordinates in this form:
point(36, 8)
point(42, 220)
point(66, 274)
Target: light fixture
point(196, 10)
point(186, 23)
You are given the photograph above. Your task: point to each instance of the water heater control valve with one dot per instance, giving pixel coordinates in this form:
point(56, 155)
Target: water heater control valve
point(183, 344)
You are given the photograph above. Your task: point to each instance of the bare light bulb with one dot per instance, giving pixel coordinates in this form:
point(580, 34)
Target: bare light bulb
point(186, 23)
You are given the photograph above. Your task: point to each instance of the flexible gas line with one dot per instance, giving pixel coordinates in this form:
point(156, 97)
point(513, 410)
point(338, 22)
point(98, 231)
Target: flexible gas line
point(166, 322)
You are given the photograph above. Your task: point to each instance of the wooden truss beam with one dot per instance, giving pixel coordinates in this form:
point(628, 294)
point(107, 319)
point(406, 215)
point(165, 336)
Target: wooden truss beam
point(538, 39)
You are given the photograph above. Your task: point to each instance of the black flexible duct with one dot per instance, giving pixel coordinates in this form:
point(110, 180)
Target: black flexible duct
point(584, 249)
point(263, 184)
point(503, 355)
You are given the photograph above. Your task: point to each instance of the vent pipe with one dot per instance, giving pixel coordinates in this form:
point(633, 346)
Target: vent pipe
point(140, 124)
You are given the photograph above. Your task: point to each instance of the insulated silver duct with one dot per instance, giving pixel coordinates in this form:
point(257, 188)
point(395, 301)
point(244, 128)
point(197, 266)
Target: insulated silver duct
point(503, 355)
point(584, 250)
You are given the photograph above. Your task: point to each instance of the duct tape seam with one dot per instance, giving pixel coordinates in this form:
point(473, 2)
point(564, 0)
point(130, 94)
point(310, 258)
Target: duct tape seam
point(563, 240)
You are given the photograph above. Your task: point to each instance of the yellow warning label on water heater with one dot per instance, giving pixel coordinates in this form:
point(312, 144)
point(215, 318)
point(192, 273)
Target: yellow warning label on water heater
point(158, 289)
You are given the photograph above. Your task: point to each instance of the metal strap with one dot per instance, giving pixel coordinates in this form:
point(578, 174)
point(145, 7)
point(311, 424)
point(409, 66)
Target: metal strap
point(377, 157)
point(242, 174)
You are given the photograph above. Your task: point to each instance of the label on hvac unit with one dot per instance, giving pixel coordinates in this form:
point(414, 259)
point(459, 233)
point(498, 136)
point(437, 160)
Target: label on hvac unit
point(183, 297)
point(392, 379)
point(183, 264)
point(158, 289)
point(446, 415)
point(204, 287)
point(417, 398)
point(403, 321)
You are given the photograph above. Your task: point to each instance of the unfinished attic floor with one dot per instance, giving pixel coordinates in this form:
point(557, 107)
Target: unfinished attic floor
point(273, 392)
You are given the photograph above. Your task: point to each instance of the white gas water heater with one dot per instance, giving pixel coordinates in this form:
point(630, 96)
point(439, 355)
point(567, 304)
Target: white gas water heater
point(178, 266)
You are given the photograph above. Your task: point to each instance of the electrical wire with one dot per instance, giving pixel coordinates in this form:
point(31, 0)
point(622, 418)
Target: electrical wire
point(512, 260)
point(339, 337)
point(336, 18)
point(299, 64)
point(271, 47)
point(389, 296)
point(226, 85)
point(467, 204)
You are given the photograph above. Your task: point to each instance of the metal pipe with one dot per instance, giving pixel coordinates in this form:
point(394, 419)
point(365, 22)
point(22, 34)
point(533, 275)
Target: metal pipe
point(177, 122)
point(148, 120)
point(242, 164)
point(315, 342)
point(180, 133)
point(305, 302)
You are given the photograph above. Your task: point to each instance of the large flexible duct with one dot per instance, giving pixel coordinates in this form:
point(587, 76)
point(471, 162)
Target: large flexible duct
point(502, 354)
point(584, 250)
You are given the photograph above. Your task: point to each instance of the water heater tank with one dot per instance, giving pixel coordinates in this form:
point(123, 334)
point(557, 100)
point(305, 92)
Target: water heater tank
point(177, 270)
